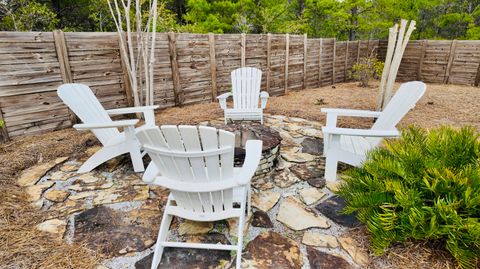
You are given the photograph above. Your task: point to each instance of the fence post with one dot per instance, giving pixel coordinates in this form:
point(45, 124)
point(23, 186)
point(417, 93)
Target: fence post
point(305, 45)
point(242, 47)
point(451, 56)
point(358, 50)
point(3, 130)
point(62, 56)
point(269, 47)
point(420, 61)
point(346, 63)
point(333, 60)
point(320, 63)
point(172, 45)
point(477, 77)
point(287, 52)
point(213, 65)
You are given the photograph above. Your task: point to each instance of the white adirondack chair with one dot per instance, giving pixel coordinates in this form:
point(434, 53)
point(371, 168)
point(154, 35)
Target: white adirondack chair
point(351, 145)
point(196, 164)
point(81, 100)
point(246, 93)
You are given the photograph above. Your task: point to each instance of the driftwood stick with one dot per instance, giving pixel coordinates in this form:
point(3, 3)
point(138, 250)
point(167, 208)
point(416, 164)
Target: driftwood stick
point(392, 38)
point(397, 58)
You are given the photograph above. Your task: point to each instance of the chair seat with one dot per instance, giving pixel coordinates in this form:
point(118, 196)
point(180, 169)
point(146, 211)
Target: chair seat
point(355, 144)
point(243, 114)
point(234, 111)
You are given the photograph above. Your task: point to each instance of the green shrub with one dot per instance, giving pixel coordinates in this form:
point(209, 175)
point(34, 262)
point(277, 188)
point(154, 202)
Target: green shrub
point(423, 186)
point(367, 68)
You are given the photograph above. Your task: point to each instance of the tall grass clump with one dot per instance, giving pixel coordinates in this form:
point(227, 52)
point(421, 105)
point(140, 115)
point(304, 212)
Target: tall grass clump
point(423, 186)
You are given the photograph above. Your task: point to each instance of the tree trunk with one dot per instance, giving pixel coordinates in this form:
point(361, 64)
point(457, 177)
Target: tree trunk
point(352, 32)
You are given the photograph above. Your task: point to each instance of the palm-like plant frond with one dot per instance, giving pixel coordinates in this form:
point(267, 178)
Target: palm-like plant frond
point(423, 186)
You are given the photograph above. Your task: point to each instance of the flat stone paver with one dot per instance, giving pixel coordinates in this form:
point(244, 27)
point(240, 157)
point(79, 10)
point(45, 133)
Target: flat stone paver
point(294, 223)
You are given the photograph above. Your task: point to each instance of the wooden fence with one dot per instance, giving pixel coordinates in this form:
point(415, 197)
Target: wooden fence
point(439, 61)
point(190, 68)
point(193, 68)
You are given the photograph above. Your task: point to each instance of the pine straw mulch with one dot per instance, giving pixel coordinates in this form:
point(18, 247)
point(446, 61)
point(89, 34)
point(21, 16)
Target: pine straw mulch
point(22, 246)
point(418, 254)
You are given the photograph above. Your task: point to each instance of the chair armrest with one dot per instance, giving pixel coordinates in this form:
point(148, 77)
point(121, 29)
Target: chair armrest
point(112, 124)
point(253, 154)
point(352, 112)
point(147, 111)
point(360, 132)
point(263, 99)
point(128, 110)
point(222, 99)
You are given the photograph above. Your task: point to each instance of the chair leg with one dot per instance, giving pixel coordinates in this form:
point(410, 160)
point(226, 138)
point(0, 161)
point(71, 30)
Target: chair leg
point(241, 223)
point(249, 200)
point(101, 156)
point(137, 160)
point(331, 168)
point(162, 236)
point(150, 173)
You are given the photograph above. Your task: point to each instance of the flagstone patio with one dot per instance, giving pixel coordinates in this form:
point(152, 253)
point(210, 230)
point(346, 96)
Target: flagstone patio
point(295, 222)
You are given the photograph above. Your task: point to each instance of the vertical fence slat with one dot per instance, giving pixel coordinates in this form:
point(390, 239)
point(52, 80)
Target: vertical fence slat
point(333, 61)
point(172, 45)
point(358, 50)
point(269, 48)
point(305, 60)
point(213, 65)
point(346, 63)
point(477, 77)
point(421, 58)
point(451, 56)
point(242, 47)
point(287, 52)
point(320, 63)
point(62, 56)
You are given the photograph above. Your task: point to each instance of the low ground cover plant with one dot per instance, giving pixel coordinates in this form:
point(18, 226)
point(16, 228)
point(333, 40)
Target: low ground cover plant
point(366, 69)
point(423, 186)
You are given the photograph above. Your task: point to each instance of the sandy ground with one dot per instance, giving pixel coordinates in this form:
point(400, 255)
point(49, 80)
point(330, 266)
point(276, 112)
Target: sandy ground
point(441, 104)
point(22, 246)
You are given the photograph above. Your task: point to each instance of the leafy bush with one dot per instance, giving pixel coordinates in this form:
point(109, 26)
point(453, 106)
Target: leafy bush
point(423, 186)
point(367, 68)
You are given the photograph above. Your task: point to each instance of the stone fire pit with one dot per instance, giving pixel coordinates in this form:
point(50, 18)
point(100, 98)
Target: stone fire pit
point(271, 139)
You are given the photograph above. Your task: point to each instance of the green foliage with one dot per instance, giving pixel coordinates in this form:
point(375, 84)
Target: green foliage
point(344, 20)
point(2, 123)
point(423, 186)
point(366, 69)
point(24, 15)
point(212, 16)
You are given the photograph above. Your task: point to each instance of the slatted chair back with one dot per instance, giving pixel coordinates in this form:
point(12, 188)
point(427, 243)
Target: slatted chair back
point(246, 83)
point(404, 99)
point(81, 100)
point(191, 154)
